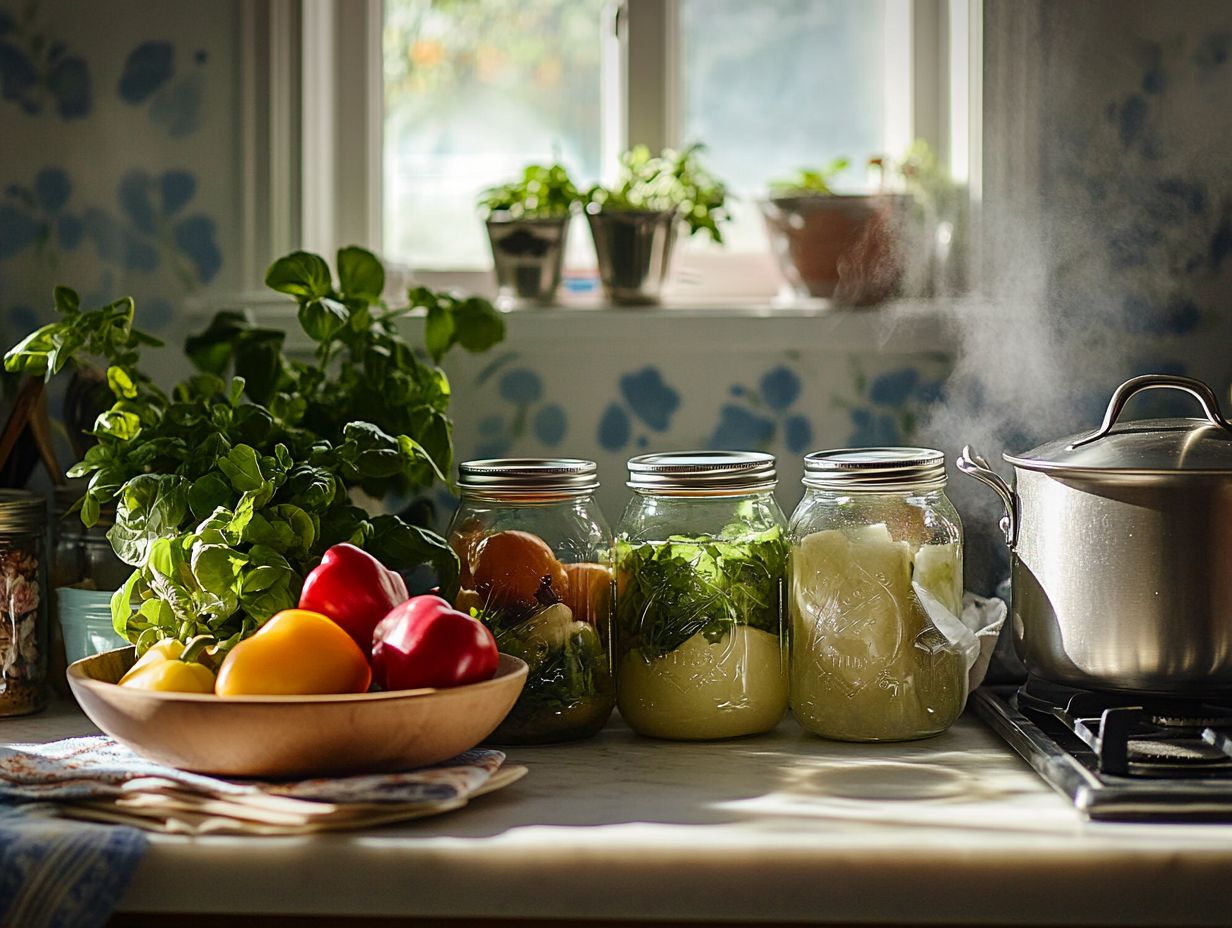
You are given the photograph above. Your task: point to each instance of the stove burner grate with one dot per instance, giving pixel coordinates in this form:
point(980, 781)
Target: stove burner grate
point(1139, 736)
point(1171, 773)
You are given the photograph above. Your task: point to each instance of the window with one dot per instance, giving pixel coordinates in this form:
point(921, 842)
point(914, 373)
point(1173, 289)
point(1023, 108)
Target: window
point(468, 91)
point(774, 87)
point(473, 92)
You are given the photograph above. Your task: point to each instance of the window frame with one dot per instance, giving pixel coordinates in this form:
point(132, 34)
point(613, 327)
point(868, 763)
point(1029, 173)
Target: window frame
point(314, 112)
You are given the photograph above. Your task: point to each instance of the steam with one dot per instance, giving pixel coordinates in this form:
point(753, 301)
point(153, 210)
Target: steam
point(1097, 238)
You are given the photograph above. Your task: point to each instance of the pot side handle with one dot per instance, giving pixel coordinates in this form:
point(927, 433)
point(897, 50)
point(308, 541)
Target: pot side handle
point(1195, 388)
point(974, 465)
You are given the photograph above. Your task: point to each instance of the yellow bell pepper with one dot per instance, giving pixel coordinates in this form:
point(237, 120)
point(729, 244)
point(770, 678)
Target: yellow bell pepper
point(297, 652)
point(163, 668)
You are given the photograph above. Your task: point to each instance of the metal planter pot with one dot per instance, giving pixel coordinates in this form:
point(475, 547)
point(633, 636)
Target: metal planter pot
point(528, 255)
point(634, 250)
point(1121, 543)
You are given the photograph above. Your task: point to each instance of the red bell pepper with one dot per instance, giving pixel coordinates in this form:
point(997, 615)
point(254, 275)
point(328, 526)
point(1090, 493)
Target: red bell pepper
point(354, 589)
point(426, 642)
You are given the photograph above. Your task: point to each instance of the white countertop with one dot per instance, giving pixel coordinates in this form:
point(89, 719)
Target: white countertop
point(783, 827)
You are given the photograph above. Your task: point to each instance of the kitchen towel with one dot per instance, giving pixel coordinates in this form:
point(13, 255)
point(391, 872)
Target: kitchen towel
point(58, 874)
point(97, 778)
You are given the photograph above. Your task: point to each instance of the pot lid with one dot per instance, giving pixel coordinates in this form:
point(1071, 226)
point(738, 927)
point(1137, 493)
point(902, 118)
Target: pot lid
point(1143, 446)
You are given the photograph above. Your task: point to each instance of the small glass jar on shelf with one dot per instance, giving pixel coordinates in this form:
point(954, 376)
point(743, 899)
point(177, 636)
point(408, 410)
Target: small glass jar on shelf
point(874, 596)
point(701, 555)
point(536, 554)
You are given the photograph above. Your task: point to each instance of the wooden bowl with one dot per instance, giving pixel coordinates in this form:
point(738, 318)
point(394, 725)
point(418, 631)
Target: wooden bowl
point(293, 736)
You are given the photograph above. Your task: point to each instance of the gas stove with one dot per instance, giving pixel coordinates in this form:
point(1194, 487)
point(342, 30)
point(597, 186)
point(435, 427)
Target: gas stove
point(1120, 757)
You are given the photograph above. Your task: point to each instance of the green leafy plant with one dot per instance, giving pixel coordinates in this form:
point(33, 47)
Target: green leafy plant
point(363, 369)
point(228, 490)
point(543, 192)
point(809, 181)
point(673, 181)
point(106, 332)
point(926, 180)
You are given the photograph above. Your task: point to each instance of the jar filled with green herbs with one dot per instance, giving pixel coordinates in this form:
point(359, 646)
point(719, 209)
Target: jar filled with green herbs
point(701, 557)
point(23, 603)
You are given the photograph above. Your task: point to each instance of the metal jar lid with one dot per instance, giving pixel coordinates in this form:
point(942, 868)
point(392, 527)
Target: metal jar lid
point(22, 512)
point(704, 472)
point(1143, 446)
point(875, 470)
point(558, 478)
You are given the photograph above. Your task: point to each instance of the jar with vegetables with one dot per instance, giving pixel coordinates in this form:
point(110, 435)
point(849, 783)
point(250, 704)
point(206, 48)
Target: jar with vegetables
point(701, 555)
point(874, 597)
point(535, 555)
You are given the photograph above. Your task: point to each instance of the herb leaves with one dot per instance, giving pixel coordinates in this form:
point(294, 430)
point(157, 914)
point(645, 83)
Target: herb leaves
point(674, 589)
point(228, 490)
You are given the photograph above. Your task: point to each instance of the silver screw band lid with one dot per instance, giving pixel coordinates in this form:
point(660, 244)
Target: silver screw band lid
point(714, 472)
point(22, 512)
point(496, 477)
point(873, 470)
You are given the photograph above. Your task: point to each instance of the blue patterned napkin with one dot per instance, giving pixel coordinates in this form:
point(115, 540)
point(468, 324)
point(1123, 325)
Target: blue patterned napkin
point(62, 874)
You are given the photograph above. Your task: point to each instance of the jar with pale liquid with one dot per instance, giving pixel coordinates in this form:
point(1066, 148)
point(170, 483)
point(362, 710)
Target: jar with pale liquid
point(875, 583)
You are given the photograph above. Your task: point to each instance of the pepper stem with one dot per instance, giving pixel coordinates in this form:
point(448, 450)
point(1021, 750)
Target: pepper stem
point(196, 645)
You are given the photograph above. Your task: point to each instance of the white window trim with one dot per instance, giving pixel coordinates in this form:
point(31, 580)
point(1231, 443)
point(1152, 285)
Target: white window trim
point(313, 112)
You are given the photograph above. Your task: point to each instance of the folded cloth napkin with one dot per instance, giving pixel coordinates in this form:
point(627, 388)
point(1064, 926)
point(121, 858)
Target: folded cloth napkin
point(60, 874)
point(57, 874)
point(96, 778)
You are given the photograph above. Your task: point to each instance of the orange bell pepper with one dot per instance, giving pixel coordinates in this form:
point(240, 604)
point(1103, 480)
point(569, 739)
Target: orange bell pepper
point(297, 652)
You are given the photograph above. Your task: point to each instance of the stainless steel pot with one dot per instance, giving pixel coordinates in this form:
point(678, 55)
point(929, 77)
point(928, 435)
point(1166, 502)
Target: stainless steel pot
point(528, 255)
point(634, 251)
point(1121, 543)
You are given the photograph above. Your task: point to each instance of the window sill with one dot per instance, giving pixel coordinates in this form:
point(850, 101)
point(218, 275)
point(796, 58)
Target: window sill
point(902, 325)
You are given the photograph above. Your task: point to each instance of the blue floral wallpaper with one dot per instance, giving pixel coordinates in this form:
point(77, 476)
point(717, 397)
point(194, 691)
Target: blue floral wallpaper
point(119, 167)
point(593, 388)
point(1134, 164)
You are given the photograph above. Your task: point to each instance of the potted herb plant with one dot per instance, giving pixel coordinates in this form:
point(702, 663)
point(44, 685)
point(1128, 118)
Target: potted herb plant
point(832, 245)
point(528, 225)
point(634, 221)
point(228, 489)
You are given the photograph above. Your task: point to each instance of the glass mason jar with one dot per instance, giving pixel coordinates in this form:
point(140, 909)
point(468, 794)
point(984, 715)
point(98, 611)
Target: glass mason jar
point(23, 603)
point(875, 585)
point(701, 555)
point(536, 569)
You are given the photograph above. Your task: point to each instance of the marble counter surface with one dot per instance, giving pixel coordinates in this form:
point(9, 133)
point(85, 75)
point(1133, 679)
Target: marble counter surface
point(782, 827)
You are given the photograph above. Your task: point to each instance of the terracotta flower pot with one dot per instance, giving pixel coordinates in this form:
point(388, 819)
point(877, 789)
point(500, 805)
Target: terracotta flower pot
point(844, 248)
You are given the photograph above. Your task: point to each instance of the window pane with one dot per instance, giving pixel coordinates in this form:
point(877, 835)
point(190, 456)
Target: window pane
point(474, 90)
point(774, 86)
